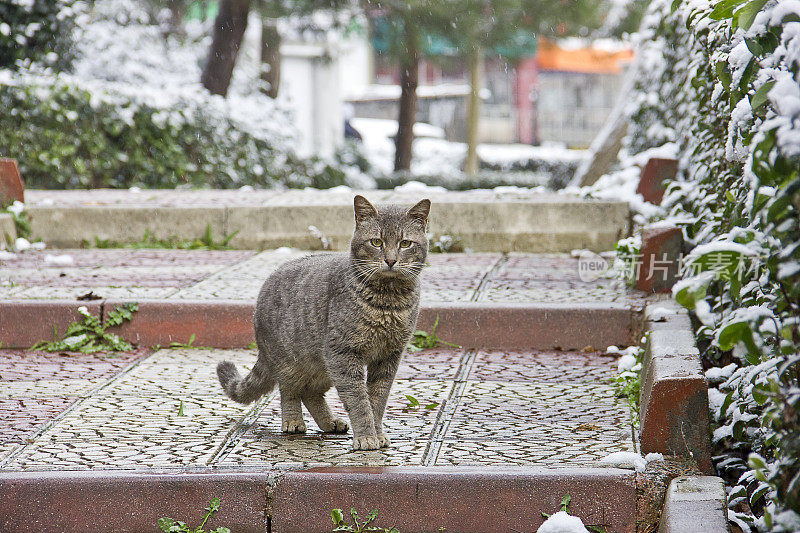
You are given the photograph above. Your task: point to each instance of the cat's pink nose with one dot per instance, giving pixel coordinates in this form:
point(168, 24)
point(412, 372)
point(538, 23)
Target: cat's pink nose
point(391, 262)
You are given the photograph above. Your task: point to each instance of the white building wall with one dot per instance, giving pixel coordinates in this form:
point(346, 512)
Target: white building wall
point(311, 88)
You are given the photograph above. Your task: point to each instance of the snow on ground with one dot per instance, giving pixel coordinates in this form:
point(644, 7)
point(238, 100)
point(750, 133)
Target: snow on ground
point(624, 460)
point(561, 522)
point(433, 155)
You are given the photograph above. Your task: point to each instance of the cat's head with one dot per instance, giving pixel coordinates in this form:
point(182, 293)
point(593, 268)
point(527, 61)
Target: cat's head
point(390, 241)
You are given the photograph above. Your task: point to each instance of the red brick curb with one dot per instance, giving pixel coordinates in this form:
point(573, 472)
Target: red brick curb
point(656, 171)
point(63, 502)
point(414, 499)
point(11, 186)
point(459, 499)
point(228, 323)
point(674, 412)
point(661, 253)
point(23, 323)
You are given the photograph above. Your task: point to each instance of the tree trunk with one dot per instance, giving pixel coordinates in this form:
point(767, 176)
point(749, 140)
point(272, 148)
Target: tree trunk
point(409, 79)
point(229, 29)
point(474, 111)
point(177, 12)
point(270, 55)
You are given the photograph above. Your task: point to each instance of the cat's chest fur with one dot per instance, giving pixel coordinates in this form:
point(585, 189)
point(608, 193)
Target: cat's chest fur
point(383, 329)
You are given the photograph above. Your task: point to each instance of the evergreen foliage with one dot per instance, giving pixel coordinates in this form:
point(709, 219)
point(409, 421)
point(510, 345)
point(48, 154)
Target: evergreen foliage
point(722, 81)
point(37, 31)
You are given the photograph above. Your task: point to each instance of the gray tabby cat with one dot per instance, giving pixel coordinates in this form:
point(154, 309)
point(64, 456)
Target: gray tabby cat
point(339, 320)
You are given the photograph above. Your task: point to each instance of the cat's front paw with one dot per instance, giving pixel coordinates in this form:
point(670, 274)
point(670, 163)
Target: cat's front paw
point(336, 425)
point(293, 426)
point(383, 440)
point(366, 443)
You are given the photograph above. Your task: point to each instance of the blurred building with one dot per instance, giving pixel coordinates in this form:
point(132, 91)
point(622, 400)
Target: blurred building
point(547, 93)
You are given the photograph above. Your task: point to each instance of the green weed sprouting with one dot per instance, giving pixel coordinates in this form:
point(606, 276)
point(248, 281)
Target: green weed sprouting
point(90, 335)
point(204, 242)
point(363, 527)
point(414, 404)
point(628, 382)
point(422, 340)
point(170, 525)
point(565, 501)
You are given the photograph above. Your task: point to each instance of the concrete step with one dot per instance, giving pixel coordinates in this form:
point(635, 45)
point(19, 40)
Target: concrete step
point(478, 220)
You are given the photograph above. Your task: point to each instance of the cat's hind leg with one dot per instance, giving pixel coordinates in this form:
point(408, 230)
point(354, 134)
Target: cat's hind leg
point(318, 407)
point(291, 413)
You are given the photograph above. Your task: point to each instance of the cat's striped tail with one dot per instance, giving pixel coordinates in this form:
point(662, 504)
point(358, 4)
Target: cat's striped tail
point(244, 390)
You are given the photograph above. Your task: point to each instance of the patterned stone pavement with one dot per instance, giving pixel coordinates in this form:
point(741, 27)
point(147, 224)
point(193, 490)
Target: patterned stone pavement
point(165, 410)
point(238, 275)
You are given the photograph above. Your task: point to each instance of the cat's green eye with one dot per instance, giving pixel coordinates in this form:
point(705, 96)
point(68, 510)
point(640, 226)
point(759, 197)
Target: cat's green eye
point(405, 243)
point(377, 243)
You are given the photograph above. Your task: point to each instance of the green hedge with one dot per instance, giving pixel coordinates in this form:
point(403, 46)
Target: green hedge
point(723, 82)
point(66, 134)
point(37, 31)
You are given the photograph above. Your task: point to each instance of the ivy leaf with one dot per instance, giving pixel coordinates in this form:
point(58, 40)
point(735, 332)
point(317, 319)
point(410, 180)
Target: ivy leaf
point(759, 98)
point(743, 18)
point(724, 9)
point(754, 47)
point(723, 74)
point(165, 524)
point(732, 334)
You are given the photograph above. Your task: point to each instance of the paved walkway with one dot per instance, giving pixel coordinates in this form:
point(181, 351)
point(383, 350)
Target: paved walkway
point(238, 275)
point(166, 410)
point(123, 411)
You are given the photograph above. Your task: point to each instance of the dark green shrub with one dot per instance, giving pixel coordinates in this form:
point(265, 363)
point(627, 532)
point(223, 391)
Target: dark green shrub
point(720, 81)
point(37, 31)
point(65, 135)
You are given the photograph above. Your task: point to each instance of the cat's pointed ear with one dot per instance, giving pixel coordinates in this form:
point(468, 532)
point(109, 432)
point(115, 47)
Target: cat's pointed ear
point(363, 209)
point(420, 211)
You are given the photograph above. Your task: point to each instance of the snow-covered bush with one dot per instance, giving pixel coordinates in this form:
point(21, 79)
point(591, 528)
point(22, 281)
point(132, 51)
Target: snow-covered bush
point(133, 112)
point(37, 30)
point(721, 80)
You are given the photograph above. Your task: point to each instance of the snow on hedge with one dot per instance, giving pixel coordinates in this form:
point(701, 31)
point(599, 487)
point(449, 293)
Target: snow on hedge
point(718, 83)
point(140, 116)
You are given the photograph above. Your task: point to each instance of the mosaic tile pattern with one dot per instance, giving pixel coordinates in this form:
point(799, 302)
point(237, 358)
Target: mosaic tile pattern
point(127, 274)
point(167, 411)
point(239, 275)
point(37, 387)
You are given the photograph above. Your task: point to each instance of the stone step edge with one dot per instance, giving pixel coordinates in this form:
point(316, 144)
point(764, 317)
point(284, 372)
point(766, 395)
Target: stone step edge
point(695, 504)
point(413, 499)
point(228, 323)
point(481, 226)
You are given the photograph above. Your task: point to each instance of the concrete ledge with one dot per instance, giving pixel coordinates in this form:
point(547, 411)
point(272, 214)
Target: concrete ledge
point(7, 228)
point(63, 502)
point(229, 323)
point(673, 409)
point(65, 227)
point(551, 224)
point(695, 505)
point(459, 499)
